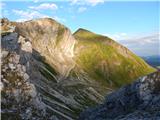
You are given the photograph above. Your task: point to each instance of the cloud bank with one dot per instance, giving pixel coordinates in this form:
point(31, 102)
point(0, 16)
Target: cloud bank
point(45, 6)
point(144, 45)
point(87, 2)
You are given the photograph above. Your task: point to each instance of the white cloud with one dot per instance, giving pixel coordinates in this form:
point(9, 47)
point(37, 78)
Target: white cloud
point(142, 40)
point(143, 45)
point(21, 20)
point(28, 15)
point(82, 9)
point(95, 2)
point(2, 5)
point(118, 36)
point(31, 14)
point(86, 2)
point(35, 1)
point(45, 6)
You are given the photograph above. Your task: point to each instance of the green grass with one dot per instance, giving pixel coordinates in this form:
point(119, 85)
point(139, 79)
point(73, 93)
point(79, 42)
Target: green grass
point(98, 56)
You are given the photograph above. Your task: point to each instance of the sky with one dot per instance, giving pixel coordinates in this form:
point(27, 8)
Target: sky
point(135, 24)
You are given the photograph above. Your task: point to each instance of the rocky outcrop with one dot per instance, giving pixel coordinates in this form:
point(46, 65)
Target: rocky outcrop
point(20, 99)
point(137, 101)
point(52, 40)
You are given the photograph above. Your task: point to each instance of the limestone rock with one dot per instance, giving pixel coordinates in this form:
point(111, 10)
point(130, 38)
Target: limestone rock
point(139, 100)
point(19, 98)
point(52, 40)
point(11, 66)
point(26, 76)
point(27, 47)
point(4, 54)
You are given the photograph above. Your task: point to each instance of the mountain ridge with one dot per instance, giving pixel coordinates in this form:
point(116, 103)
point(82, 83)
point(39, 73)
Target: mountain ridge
point(107, 51)
point(47, 55)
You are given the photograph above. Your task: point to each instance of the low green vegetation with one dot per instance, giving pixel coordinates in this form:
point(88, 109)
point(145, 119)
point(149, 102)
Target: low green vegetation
point(100, 57)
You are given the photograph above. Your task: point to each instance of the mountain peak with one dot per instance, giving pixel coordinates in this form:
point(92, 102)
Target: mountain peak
point(89, 35)
point(82, 30)
point(46, 19)
point(52, 40)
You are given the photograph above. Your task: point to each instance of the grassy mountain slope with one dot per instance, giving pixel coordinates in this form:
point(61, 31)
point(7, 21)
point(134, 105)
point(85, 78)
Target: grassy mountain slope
point(107, 61)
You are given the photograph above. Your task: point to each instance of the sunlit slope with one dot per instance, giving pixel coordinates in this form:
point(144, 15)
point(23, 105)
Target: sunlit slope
point(107, 61)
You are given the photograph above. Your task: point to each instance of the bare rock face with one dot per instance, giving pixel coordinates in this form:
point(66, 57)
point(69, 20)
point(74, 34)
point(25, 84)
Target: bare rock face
point(19, 99)
point(52, 40)
point(137, 101)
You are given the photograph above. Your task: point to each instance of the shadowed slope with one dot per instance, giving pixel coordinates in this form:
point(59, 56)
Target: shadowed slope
point(137, 101)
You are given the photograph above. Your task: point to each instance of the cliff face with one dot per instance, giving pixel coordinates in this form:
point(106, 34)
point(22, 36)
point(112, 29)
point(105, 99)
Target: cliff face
point(20, 99)
point(137, 101)
point(41, 71)
point(52, 40)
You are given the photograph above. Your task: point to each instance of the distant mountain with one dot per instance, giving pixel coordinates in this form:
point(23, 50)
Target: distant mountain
point(153, 60)
point(48, 73)
point(136, 101)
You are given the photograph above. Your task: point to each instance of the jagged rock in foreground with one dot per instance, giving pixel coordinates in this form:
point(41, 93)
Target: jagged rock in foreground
point(20, 99)
point(137, 101)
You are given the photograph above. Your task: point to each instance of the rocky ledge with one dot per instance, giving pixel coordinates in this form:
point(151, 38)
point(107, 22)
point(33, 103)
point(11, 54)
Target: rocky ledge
point(137, 101)
point(19, 97)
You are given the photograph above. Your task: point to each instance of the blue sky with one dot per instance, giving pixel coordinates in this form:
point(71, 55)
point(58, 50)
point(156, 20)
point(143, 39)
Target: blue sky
point(133, 24)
